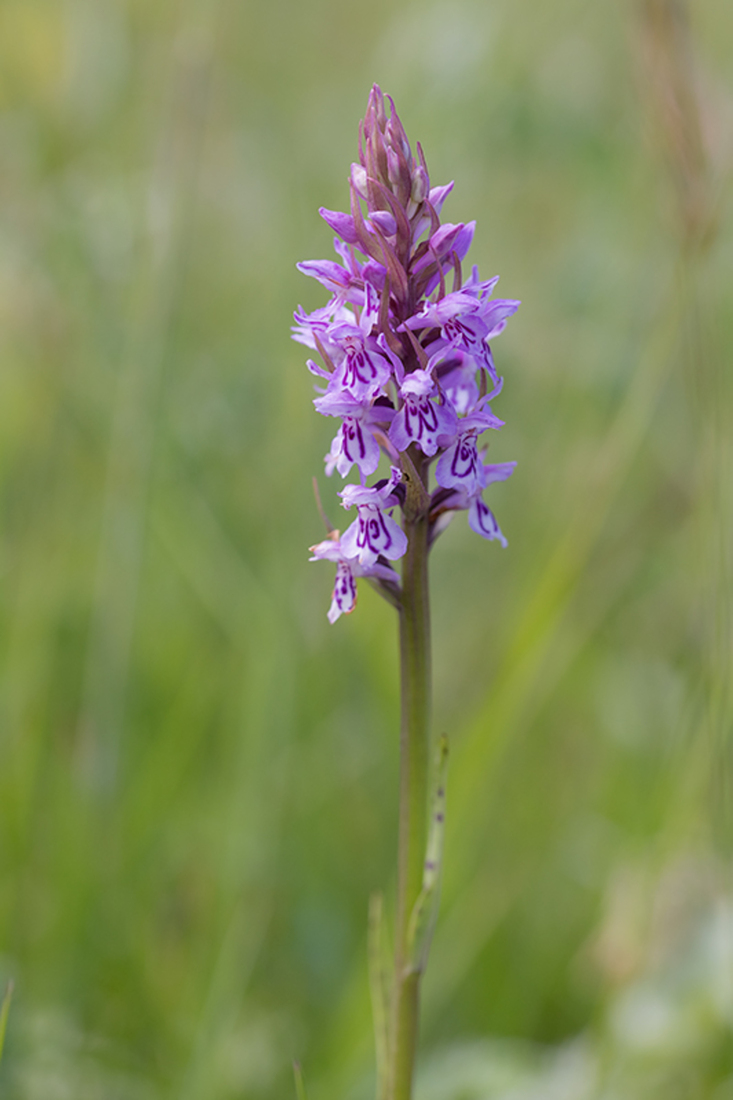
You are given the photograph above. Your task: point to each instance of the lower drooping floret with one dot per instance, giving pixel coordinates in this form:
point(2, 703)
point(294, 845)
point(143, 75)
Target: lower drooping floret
point(406, 362)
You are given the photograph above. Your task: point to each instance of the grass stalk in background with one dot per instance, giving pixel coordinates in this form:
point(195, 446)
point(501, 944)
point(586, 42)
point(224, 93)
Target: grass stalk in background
point(4, 1013)
point(681, 124)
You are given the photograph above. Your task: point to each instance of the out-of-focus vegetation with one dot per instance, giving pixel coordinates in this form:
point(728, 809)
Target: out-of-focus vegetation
point(198, 774)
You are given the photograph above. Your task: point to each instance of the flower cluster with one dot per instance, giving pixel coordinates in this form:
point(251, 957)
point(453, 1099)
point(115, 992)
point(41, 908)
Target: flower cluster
point(406, 364)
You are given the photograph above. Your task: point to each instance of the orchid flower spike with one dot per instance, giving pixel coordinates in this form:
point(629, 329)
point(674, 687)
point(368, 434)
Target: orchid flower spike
point(407, 368)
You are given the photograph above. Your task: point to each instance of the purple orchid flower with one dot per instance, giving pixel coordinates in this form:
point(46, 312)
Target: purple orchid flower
point(480, 517)
point(373, 532)
point(421, 420)
point(354, 443)
point(407, 367)
point(362, 368)
point(459, 467)
point(436, 198)
point(343, 599)
point(467, 319)
point(456, 373)
point(308, 326)
point(345, 281)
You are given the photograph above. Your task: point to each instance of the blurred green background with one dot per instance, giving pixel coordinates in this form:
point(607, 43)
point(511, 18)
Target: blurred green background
point(197, 773)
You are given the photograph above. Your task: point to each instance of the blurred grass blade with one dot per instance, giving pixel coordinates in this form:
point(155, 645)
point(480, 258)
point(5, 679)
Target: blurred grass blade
point(4, 1013)
point(299, 1082)
point(378, 987)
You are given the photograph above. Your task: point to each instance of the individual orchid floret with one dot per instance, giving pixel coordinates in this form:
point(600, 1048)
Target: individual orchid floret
point(483, 521)
point(459, 467)
point(436, 198)
point(466, 323)
point(449, 239)
point(344, 594)
point(457, 375)
point(374, 532)
point(354, 443)
point(446, 502)
point(480, 517)
point(336, 279)
point(363, 370)
point(421, 420)
point(357, 365)
point(344, 281)
point(471, 332)
point(312, 328)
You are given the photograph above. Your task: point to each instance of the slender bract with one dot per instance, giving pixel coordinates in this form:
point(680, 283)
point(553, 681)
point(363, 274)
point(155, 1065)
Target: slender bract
point(407, 370)
point(300, 1092)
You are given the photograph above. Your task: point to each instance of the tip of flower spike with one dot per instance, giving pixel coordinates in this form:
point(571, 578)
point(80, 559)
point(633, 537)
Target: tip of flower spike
point(375, 111)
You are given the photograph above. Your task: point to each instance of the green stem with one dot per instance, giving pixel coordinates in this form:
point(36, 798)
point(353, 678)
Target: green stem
point(414, 752)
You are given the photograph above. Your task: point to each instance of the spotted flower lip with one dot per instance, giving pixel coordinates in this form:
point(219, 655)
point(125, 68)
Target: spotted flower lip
point(406, 365)
point(483, 521)
point(459, 467)
point(354, 443)
point(363, 370)
point(420, 420)
point(343, 598)
point(374, 532)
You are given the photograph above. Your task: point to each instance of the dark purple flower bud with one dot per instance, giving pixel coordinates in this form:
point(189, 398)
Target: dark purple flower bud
point(385, 221)
point(343, 224)
point(387, 159)
point(443, 241)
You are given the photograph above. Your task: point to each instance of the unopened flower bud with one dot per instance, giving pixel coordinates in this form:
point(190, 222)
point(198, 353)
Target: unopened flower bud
point(376, 116)
point(385, 221)
point(393, 168)
point(420, 185)
point(359, 180)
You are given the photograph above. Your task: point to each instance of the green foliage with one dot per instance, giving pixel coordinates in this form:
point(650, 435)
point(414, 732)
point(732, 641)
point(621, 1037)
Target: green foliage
point(4, 1013)
point(197, 774)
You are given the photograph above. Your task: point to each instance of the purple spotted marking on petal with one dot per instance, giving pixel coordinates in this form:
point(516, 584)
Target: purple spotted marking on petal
point(459, 467)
